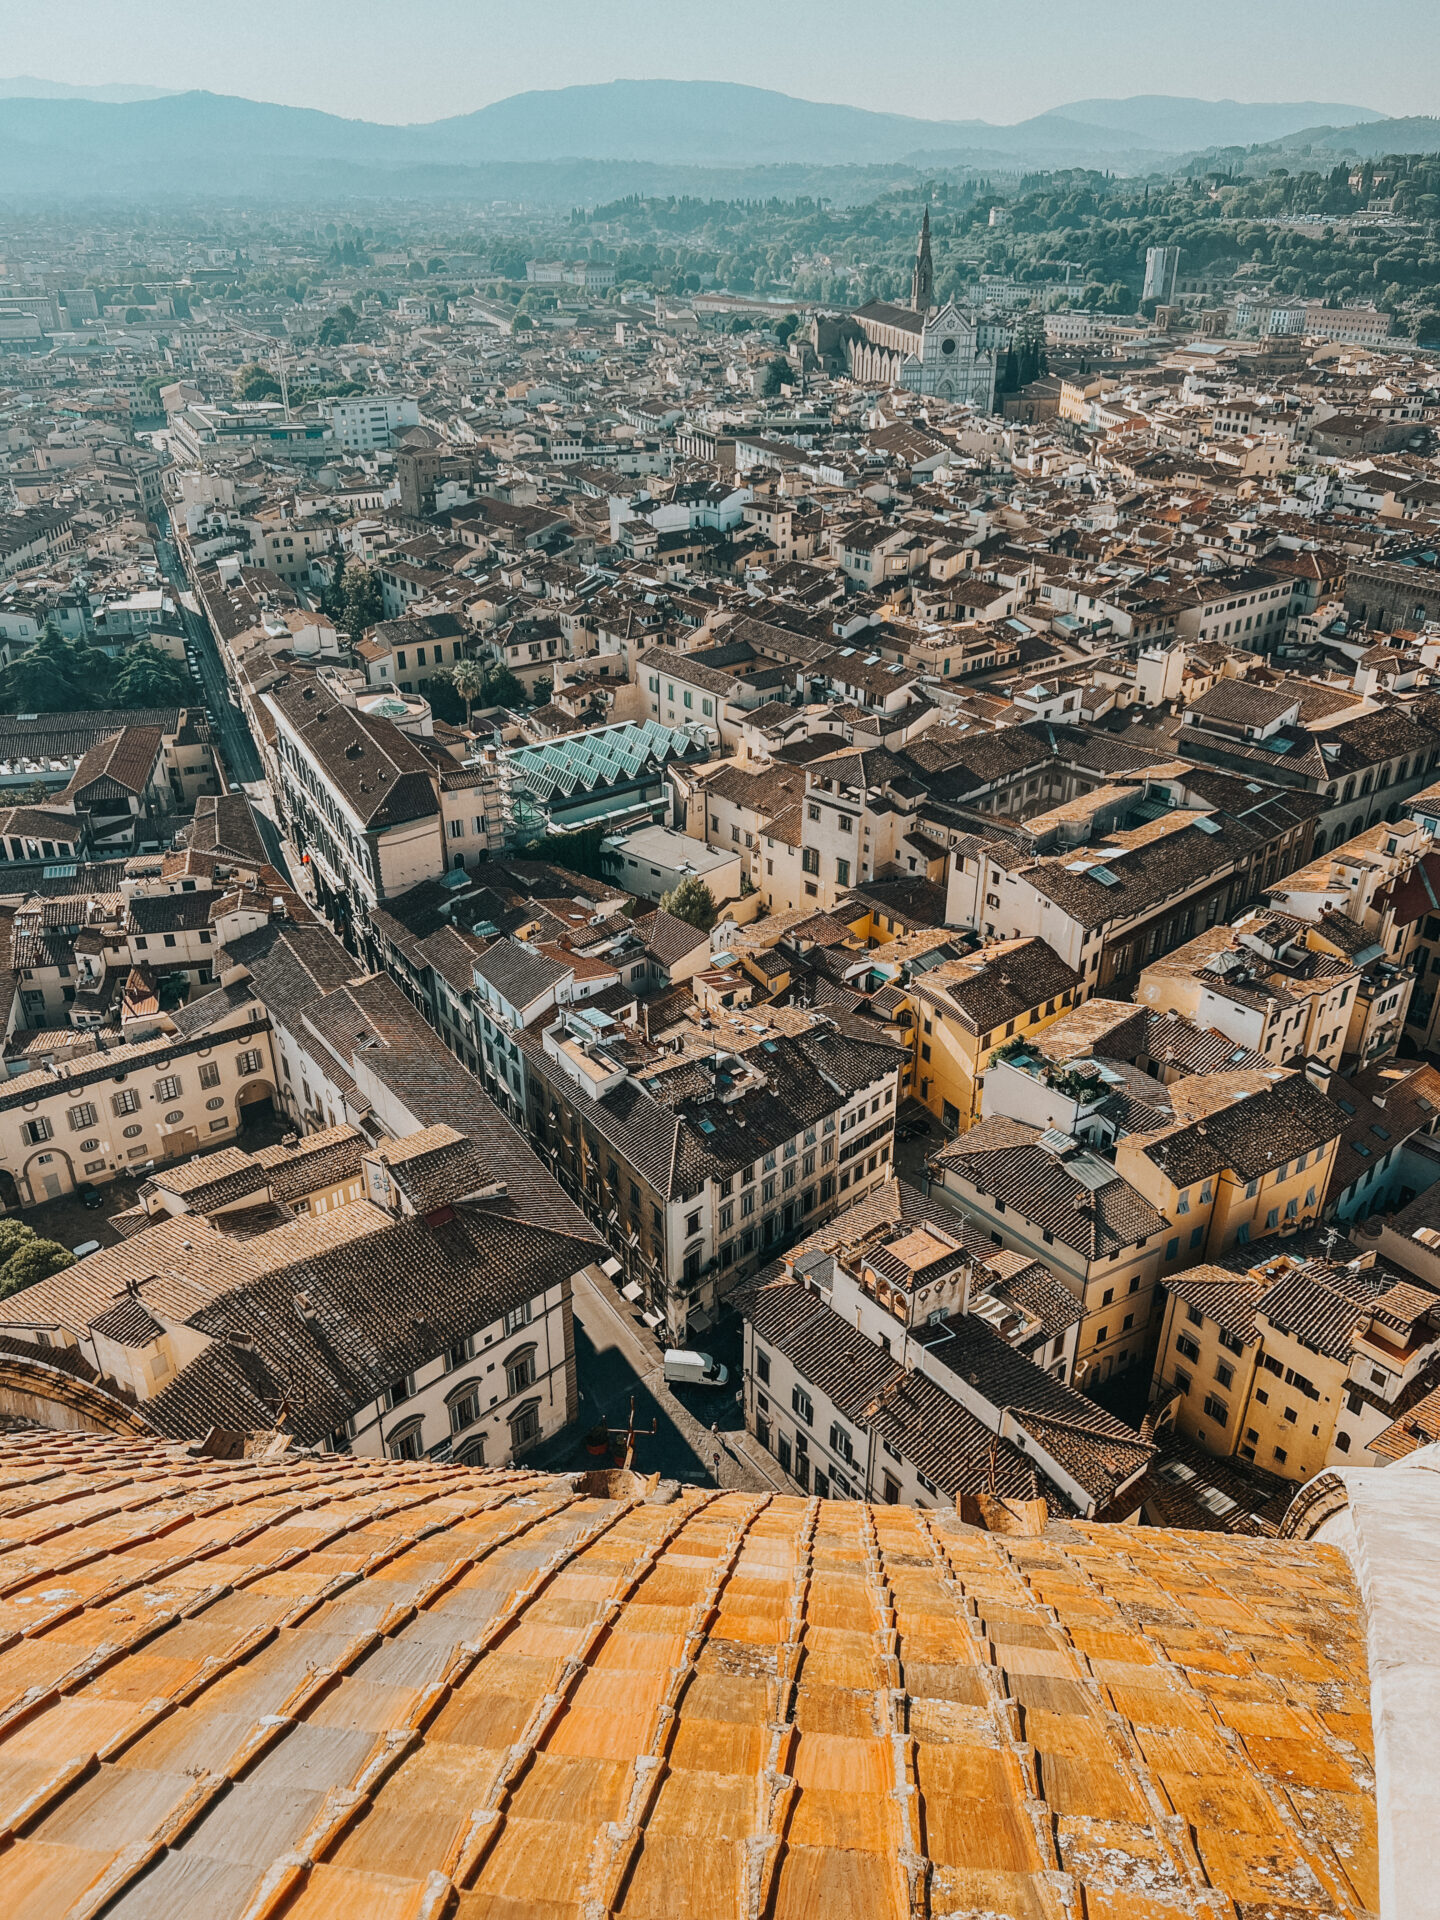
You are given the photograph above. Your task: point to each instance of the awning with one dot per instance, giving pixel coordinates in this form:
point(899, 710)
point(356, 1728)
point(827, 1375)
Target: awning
point(633, 1291)
point(652, 1320)
point(610, 1268)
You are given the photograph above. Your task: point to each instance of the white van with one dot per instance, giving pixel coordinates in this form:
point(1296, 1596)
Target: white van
point(85, 1249)
point(694, 1369)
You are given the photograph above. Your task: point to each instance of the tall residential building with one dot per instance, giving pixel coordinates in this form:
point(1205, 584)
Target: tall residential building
point(1162, 269)
point(368, 421)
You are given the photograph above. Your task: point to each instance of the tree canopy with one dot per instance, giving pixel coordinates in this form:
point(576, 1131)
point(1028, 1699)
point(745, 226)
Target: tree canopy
point(338, 327)
point(778, 373)
point(256, 382)
point(692, 902)
point(68, 676)
point(361, 601)
point(26, 1258)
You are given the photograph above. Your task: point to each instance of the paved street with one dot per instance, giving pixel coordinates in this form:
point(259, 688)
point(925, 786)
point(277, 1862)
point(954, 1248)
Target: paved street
point(237, 747)
point(614, 1358)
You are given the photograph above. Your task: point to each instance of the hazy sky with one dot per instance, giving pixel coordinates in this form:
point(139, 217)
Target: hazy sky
point(407, 60)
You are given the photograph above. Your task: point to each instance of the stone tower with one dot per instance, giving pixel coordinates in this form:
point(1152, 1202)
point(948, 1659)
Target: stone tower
point(922, 282)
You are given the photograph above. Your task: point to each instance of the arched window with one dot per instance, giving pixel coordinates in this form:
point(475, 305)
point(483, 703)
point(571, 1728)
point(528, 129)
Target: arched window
point(524, 1425)
point(520, 1369)
point(403, 1442)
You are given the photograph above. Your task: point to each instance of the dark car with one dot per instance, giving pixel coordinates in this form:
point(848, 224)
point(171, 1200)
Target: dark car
point(90, 1195)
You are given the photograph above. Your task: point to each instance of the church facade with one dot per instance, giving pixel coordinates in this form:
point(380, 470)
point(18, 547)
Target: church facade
point(948, 352)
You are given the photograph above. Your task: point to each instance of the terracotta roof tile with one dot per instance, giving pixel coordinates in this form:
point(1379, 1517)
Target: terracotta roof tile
point(384, 1688)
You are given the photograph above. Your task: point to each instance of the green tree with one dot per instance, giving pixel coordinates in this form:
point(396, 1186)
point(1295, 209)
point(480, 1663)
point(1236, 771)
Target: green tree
point(55, 676)
point(445, 702)
point(692, 902)
point(364, 601)
point(332, 598)
point(338, 327)
point(502, 689)
point(468, 679)
point(777, 374)
point(26, 1258)
point(254, 382)
point(149, 678)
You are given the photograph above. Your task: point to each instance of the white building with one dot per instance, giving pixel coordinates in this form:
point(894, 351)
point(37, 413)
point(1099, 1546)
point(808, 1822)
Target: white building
point(653, 860)
point(368, 422)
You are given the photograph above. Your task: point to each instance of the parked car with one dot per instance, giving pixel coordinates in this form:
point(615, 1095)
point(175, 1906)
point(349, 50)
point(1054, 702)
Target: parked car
point(85, 1248)
point(694, 1369)
point(90, 1195)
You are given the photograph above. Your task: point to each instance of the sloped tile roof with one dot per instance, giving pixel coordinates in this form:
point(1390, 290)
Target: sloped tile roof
point(1004, 1160)
point(388, 1688)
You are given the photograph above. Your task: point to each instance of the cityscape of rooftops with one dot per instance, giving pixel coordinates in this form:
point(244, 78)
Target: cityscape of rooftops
point(720, 856)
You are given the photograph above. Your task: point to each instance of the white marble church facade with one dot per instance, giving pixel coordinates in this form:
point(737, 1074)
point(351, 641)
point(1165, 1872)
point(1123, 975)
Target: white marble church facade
point(948, 352)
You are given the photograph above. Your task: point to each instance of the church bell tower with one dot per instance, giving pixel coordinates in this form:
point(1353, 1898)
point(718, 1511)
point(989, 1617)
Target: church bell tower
point(922, 281)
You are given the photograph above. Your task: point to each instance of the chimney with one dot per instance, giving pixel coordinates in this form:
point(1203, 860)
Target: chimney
point(1319, 1074)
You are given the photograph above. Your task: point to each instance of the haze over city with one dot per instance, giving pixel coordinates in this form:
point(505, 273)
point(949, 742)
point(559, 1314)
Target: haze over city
point(935, 59)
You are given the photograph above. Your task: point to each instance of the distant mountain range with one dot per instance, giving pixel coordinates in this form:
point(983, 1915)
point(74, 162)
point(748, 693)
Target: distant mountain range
point(24, 86)
point(1419, 134)
point(205, 142)
point(1179, 125)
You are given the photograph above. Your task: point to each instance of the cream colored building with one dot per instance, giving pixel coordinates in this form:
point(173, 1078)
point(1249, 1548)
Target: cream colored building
point(226, 1299)
point(1267, 983)
point(1295, 1365)
point(1074, 1212)
point(1245, 1156)
point(124, 1107)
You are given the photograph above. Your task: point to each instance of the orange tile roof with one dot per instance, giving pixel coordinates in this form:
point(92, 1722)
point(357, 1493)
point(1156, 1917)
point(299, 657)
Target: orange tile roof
point(324, 1685)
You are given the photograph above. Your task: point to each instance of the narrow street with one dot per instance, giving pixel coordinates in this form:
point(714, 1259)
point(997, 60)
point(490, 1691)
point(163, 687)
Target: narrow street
point(243, 765)
point(615, 1359)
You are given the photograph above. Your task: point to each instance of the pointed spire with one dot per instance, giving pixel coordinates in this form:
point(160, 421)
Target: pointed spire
point(922, 281)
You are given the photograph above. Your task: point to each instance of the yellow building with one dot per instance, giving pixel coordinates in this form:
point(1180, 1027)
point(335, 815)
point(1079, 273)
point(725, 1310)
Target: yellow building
point(1294, 1365)
point(1269, 983)
point(1035, 1193)
point(963, 1009)
point(1247, 1155)
point(304, 1174)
